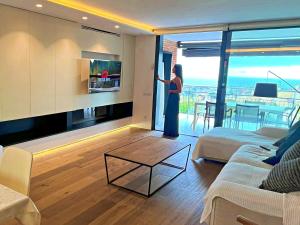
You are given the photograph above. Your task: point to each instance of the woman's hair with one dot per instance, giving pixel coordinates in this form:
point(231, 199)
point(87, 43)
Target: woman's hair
point(178, 71)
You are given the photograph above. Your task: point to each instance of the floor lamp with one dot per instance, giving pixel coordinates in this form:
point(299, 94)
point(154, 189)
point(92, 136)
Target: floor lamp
point(270, 90)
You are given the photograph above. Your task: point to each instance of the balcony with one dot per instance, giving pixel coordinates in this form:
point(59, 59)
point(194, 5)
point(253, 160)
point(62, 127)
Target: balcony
point(270, 111)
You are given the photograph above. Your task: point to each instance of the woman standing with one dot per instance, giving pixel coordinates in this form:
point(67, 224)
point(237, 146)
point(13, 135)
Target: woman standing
point(172, 109)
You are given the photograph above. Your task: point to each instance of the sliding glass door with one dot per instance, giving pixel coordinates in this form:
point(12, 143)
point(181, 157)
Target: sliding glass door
point(199, 55)
point(250, 77)
point(261, 60)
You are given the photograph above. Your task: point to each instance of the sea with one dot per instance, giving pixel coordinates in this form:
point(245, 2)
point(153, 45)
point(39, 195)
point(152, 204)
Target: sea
point(244, 82)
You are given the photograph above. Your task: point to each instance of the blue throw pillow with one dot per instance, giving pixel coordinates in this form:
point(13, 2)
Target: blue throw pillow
point(280, 141)
point(291, 130)
point(291, 139)
point(294, 127)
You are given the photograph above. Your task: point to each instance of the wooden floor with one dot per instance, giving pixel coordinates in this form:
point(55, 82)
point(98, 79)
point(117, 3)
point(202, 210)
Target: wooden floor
point(69, 187)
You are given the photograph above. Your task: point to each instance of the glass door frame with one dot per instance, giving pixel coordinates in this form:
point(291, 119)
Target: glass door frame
point(222, 81)
point(158, 69)
point(223, 71)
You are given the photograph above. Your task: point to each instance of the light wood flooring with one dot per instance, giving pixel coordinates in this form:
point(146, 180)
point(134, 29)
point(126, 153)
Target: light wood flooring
point(69, 187)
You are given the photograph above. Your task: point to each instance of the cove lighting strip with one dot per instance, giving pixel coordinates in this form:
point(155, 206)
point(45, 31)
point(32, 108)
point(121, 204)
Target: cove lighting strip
point(90, 138)
point(103, 13)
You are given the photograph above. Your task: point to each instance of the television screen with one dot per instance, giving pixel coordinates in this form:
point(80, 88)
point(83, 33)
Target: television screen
point(105, 75)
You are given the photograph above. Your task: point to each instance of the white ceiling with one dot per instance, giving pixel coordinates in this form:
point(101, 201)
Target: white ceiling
point(173, 13)
point(72, 15)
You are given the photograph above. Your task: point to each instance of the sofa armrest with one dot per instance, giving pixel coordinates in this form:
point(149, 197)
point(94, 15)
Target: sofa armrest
point(242, 195)
point(226, 213)
point(272, 132)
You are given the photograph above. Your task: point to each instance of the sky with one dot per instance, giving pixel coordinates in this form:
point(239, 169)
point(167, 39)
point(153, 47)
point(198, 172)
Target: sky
point(204, 67)
point(287, 67)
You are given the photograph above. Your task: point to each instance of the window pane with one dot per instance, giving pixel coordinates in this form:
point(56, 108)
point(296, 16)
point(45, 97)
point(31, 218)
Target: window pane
point(264, 56)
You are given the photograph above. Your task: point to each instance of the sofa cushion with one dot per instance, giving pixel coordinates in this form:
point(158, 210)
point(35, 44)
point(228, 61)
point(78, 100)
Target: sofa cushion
point(292, 153)
point(284, 177)
point(291, 139)
point(243, 174)
point(220, 143)
point(252, 155)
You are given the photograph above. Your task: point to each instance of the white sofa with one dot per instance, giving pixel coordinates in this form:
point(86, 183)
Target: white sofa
point(244, 171)
point(220, 143)
point(235, 191)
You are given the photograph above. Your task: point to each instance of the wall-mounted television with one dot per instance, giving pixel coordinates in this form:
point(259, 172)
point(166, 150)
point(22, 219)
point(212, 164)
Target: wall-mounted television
point(105, 75)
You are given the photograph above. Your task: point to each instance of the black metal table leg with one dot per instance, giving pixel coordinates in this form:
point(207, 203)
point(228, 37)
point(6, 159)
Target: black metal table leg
point(187, 159)
point(150, 178)
point(105, 161)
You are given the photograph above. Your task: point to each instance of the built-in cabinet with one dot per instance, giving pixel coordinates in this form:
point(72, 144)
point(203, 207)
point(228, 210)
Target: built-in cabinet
point(42, 49)
point(14, 64)
point(39, 66)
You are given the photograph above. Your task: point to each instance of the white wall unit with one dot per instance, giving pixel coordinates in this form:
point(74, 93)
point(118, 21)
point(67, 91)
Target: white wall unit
point(39, 66)
point(93, 41)
point(14, 63)
point(42, 64)
point(127, 82)
point(1, 84)
point(143, 81)
point(67, 74)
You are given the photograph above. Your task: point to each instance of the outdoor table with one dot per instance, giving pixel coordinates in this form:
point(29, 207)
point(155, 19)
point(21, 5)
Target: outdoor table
point(264, 109)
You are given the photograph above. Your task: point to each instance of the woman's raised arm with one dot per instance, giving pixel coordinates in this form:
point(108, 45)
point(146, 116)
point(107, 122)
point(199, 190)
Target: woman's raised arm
point(164, 81)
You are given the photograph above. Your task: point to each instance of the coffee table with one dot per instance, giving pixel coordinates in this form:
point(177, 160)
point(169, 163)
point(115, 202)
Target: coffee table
point(148, 158)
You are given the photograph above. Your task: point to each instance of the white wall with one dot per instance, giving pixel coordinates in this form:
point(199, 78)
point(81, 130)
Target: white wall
point(39, 65)
point(143, 81)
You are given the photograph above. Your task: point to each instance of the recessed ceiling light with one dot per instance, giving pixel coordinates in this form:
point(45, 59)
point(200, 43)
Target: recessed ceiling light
point(117, 26)
point(39, 5)
point(84, 17)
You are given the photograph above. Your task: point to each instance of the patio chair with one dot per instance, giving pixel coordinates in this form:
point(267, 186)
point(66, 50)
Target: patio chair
point(199, 102)
point(246, 114)
point(210, 108)
point(280, 118)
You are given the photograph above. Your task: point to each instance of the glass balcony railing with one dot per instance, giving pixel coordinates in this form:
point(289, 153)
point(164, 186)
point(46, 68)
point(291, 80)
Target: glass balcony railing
point(272, 111)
